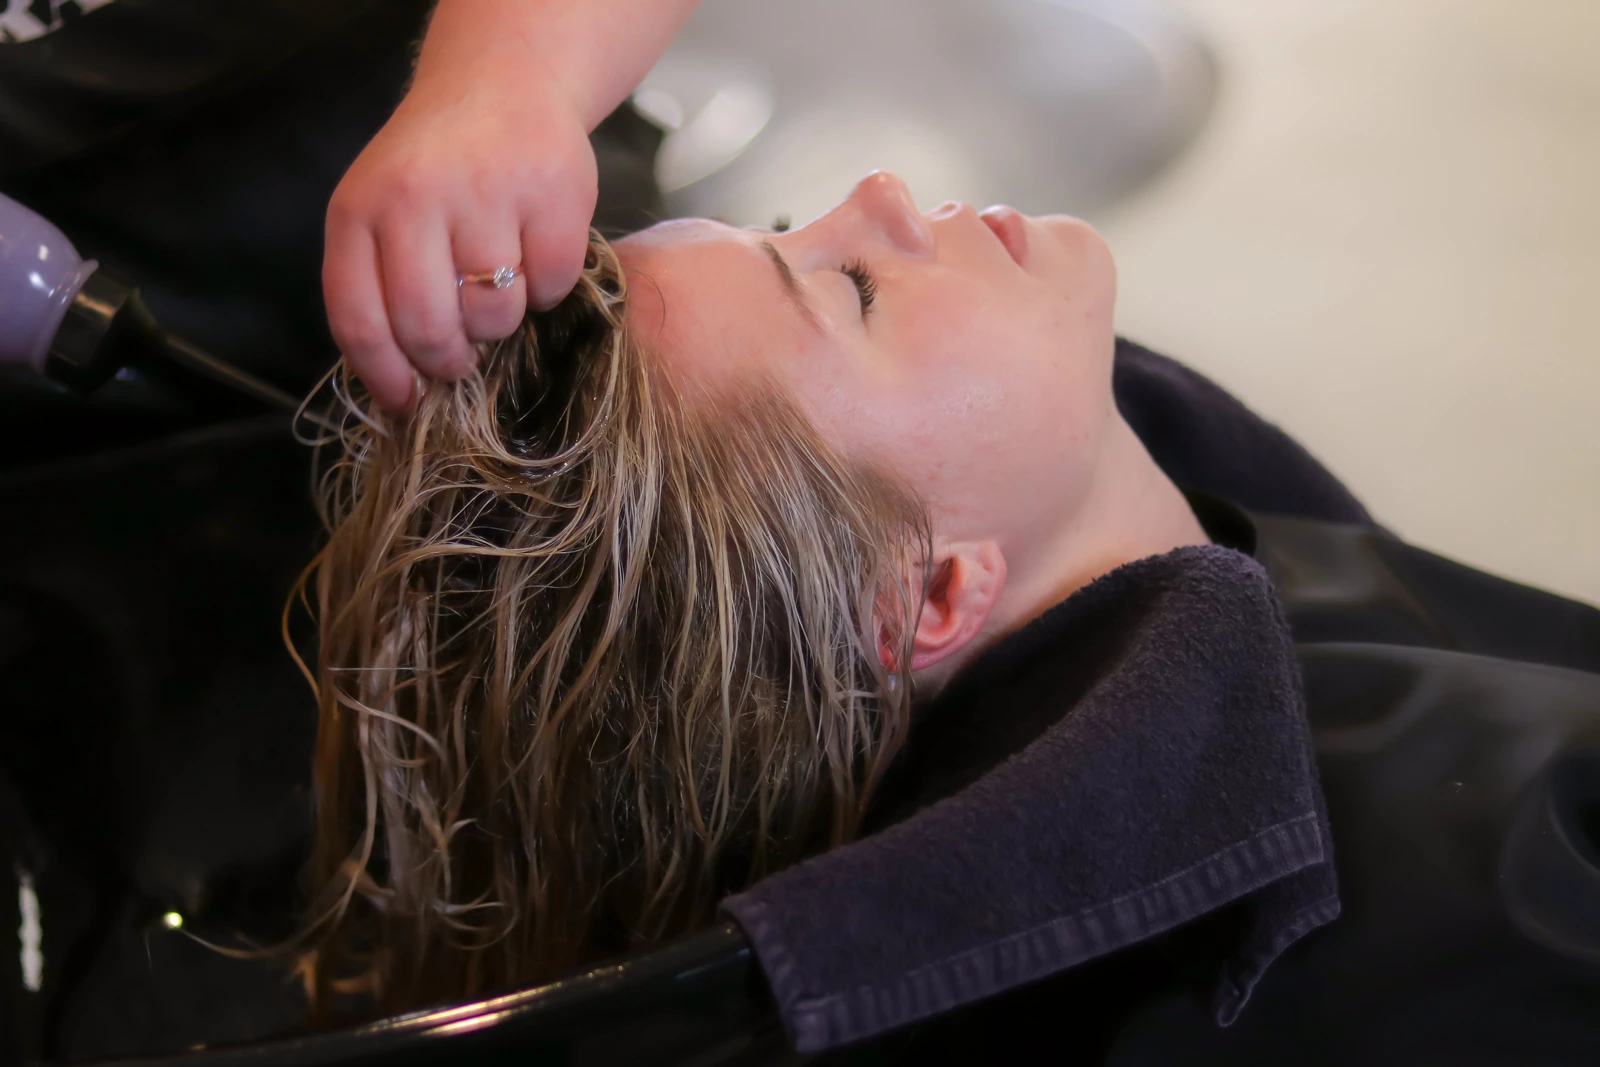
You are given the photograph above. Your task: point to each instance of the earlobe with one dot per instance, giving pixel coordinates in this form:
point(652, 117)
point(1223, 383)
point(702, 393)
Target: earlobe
point(965, 582)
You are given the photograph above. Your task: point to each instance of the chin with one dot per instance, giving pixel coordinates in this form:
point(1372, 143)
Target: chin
point(1092, 267)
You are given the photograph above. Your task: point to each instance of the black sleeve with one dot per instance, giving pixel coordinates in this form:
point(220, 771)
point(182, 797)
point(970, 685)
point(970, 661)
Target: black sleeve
point(126, 63)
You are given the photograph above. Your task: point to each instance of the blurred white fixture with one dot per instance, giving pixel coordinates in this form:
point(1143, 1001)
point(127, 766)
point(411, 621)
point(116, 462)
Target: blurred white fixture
point(711, 110)
point(775, 107)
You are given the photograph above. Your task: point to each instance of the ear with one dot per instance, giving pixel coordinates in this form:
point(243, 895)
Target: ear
point(963, 585)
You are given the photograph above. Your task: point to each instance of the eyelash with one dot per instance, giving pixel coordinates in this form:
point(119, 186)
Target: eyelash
point(866, 286)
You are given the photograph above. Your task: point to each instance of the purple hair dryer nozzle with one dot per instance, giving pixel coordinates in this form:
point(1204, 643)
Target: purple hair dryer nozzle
point(40, 273)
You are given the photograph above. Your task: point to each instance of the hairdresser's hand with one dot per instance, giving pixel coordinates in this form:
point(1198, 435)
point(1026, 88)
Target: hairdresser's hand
point(471, 173)
point(485, 164)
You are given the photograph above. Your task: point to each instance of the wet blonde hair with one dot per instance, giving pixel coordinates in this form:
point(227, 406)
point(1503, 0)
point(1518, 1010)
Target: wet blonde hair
point(591, 653)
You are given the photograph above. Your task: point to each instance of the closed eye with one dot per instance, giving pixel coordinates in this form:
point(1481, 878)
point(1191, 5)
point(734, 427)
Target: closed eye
point(866, 286)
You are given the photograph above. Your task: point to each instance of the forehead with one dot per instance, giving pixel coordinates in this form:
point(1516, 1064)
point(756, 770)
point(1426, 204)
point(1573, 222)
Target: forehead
point(706, 298)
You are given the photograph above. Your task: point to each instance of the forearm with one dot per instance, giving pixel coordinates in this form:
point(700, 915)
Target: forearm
point(594, 51)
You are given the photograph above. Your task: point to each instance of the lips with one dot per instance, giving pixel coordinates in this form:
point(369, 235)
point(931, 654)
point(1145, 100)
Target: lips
point(1009, 225)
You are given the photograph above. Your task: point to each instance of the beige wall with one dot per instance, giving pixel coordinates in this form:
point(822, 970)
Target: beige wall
point(1388, 240)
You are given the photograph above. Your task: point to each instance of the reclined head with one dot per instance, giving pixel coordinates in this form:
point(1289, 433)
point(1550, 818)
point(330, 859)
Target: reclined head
point(638, 613)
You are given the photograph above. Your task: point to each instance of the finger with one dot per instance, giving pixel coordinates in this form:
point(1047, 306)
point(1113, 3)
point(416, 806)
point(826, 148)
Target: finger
point(555, 236)
point(357, 316)
point(489, 313)
point(419, 286)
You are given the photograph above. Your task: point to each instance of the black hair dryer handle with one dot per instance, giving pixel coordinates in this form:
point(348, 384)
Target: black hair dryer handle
point(63, 317)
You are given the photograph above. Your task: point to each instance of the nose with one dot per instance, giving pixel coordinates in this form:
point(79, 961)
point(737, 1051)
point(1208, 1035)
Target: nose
point(883, 201)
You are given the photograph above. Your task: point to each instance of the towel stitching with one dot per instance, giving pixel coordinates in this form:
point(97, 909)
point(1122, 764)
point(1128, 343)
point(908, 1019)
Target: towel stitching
point(814, 1008)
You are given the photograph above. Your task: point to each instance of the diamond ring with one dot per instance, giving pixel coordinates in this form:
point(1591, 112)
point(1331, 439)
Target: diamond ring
point(499, 278)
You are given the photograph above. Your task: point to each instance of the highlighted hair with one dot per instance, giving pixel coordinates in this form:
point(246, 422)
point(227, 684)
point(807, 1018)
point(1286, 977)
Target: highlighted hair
point(591, 654)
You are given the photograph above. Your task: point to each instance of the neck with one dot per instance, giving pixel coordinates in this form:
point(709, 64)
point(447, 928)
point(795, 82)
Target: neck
point(1132, 511)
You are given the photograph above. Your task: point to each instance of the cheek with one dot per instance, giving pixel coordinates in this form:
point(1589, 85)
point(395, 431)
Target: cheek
point(928, 428)
point(1014, 362)
point(974, 395)
point(999, 415)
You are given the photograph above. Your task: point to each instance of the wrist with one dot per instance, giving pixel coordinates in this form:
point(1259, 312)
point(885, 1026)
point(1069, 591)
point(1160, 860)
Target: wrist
point(478, 47)
point(454, 73)
point(588, 53)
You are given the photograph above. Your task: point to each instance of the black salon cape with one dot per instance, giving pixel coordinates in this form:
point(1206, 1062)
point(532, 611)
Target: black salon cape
point(1100, 840)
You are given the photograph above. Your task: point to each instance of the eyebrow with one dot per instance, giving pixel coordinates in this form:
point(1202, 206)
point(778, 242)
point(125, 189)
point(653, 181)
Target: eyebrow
point(791, 285)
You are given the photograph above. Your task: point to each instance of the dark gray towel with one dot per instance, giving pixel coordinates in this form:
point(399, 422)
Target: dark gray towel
point(1132, 760)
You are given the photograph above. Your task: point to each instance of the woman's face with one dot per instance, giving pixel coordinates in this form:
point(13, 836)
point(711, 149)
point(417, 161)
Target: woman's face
point(969, 352)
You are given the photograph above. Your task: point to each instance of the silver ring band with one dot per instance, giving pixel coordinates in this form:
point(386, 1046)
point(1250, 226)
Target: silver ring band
point(499, 278)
